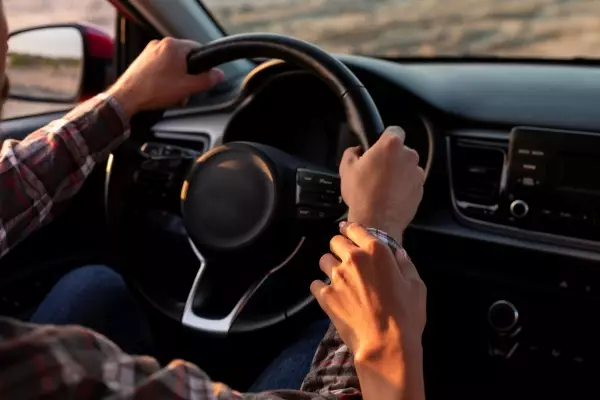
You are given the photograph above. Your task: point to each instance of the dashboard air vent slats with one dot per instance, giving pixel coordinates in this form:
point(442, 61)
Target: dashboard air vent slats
point(477, 171)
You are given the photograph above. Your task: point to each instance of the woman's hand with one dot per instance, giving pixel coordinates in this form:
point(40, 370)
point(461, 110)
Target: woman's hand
point(376, 300)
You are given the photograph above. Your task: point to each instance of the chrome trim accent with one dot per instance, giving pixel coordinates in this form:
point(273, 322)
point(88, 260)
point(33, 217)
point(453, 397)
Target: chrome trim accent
point(466, 204)
point(222, 326)
point(481, 134)
point(107, 173)
point(516, 203)
point(515, 315)
point(210, 128)
point(431, 140)
point(550, 238)
point(512, 350)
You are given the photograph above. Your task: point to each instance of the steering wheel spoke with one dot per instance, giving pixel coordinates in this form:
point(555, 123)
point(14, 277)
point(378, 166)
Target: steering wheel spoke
point(220, 294)
point(160, 175)
point(318, 196)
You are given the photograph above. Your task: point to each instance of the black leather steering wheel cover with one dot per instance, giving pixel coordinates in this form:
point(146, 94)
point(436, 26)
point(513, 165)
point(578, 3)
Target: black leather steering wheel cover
point(361, 111)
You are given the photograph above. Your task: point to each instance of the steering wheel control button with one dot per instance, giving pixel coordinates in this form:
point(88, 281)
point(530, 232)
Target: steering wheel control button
point(307, 213)
point(503, 316)
point(318, 181)
point(519, 209)
point(305, 178)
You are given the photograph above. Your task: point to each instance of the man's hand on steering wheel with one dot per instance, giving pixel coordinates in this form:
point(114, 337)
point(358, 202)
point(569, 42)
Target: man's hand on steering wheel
point(158, 78)
point(384, 187)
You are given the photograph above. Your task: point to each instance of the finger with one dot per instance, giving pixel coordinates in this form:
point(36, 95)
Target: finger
point(412, 155)
point(205, 80)
point(421, 176)
point(152, 44)
point(341, 247)
point(407, 268)
point(349, 157)
point(357, 234)
point(327, 263)
point(321, 291)
point(187, 45)
point(394, 131)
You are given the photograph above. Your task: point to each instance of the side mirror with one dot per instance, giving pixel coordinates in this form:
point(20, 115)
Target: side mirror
point(58, 63)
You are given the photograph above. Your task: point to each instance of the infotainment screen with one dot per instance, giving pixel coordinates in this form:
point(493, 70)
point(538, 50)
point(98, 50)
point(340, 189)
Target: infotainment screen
point(576, 172)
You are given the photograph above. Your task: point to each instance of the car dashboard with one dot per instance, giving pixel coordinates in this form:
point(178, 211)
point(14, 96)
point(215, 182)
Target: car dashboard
point(511, 259)
point(507, 237)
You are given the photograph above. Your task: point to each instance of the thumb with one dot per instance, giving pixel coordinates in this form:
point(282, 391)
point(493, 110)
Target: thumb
point(205, 81)
point(348, 159)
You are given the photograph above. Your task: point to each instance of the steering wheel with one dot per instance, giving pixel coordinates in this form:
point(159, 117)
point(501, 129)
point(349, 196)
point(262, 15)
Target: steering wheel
point(249, 208)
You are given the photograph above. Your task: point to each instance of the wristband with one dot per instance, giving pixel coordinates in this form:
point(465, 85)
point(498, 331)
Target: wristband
point(385, 238)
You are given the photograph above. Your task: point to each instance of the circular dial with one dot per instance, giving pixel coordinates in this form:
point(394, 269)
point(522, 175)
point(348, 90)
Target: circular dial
point(519, 209)
point(503, 316)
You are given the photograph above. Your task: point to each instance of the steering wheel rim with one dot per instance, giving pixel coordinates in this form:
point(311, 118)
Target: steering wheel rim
point(360, 109)
point(364, 121)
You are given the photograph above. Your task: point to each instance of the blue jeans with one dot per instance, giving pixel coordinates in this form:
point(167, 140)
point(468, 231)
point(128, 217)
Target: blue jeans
point(97, 297)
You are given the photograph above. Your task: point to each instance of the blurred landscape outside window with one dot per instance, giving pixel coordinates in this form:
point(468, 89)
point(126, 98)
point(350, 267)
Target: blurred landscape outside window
point(425, 28)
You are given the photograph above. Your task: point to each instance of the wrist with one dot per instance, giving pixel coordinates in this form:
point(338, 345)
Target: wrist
point(395, 378)
point(391, 370)
point(129, 105)
point(380, 223)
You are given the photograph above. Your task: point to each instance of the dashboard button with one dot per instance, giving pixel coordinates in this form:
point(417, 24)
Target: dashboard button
point(306, 213)
point(315, 180)
point(503, 316)
point(305, 178)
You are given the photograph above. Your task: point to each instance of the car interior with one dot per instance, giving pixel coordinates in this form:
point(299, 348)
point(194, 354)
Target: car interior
point(507, 237)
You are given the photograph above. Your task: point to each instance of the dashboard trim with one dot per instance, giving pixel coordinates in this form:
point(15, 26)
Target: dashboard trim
point(194, 126)
point(514, 232)
point(431, 143)
point(223, 325)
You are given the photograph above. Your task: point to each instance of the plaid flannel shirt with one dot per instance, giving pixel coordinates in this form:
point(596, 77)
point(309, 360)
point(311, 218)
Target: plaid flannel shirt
point(39, 174)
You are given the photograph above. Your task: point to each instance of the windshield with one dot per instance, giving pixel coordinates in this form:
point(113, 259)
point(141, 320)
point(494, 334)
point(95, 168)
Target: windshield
point(425, 28)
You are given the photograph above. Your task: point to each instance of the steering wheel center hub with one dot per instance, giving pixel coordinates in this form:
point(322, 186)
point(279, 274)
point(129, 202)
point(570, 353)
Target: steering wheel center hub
point(229, 197)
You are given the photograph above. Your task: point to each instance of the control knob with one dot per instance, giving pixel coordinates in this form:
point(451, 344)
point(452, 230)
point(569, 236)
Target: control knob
point(519, 209)
point(503, 316)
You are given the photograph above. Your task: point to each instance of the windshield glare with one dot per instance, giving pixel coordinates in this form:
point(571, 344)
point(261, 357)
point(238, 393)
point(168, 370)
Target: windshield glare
point(425, 28)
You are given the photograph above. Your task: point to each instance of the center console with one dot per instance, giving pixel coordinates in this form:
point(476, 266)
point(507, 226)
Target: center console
point(529, 315)
point(538, 181)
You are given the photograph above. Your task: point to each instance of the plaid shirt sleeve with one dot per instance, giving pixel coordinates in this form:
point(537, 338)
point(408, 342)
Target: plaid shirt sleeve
point(49, 166)
point(72, 362)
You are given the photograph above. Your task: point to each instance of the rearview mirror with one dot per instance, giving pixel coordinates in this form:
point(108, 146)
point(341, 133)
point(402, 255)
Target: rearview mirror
point(46, 64)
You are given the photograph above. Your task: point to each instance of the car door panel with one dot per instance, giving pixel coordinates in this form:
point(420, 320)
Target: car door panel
point(19, 128)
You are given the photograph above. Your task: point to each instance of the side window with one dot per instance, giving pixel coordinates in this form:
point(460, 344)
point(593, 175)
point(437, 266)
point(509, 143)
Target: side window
point(49, 49)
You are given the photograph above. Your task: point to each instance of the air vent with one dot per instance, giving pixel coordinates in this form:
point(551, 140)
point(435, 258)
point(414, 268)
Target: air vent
point(477, 171)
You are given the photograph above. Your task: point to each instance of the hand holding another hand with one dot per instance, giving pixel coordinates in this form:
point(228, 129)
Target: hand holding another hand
point(377, 301)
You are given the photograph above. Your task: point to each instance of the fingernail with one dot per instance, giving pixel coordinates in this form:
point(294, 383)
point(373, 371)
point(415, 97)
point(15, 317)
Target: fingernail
point(216, 76)
point(403, 254)
point(397, 131)
point(343, 224)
